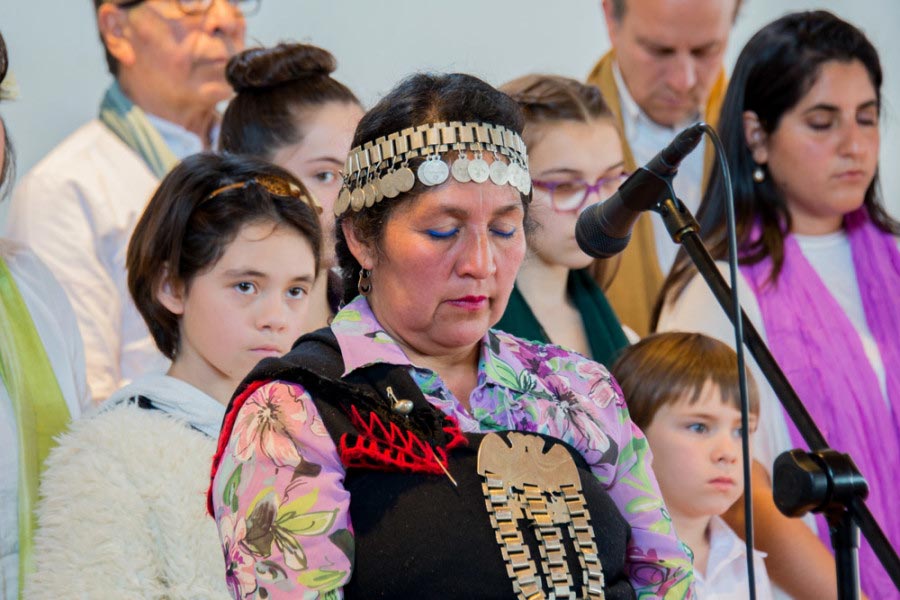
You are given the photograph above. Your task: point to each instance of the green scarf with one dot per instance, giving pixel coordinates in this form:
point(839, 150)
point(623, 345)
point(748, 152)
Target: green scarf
point(40, 409)
point(129, 122)
point(603, 330)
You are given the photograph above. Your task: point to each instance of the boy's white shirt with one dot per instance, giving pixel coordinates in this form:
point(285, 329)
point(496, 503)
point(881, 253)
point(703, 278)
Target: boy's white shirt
point(726, 569)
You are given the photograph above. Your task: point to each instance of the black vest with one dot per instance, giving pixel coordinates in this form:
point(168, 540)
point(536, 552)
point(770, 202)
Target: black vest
point(416, 534)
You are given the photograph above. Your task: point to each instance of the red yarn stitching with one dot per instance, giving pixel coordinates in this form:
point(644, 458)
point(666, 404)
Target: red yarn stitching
point(387, 448)
point(225, 435)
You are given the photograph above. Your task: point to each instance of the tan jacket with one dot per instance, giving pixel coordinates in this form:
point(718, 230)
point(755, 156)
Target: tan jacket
point(633, 279)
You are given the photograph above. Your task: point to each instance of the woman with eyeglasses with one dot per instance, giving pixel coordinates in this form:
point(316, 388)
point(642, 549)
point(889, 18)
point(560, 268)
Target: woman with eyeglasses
point(576, 157)
point(220, 266)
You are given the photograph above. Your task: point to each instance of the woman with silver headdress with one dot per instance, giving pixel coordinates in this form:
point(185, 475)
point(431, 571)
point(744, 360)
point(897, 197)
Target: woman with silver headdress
point(409, 450)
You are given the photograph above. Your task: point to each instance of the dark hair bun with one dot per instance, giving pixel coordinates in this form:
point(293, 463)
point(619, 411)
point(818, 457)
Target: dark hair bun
point(257, 68)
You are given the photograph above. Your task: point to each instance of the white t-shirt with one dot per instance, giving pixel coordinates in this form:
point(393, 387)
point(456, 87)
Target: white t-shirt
point(55, 323)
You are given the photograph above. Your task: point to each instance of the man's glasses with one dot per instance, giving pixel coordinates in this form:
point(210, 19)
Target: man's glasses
point(199, 7)
point(571, 196)
point(275, 186)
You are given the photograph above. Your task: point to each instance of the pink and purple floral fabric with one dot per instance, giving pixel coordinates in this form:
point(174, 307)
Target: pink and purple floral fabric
point(279, 499)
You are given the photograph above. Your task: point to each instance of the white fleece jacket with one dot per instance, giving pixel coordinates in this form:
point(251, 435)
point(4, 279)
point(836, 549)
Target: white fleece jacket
point(123, 508)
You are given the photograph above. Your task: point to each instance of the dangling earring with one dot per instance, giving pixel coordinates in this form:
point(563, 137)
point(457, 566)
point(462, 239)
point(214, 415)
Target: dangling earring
point(364, 285)
point(758, 174)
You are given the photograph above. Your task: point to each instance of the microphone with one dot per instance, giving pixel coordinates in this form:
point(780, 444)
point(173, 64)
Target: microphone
point(604, 229)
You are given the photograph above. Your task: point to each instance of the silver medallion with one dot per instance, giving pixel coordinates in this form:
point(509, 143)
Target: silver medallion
point(343, 201)
point(524, 186)
point(387, 185)
point(498, 172)
point(404, 179)
point(460, 170)
point(373, 194)
point(433, 172)
point(358, 199)
point(479, 170)
point(513, 174)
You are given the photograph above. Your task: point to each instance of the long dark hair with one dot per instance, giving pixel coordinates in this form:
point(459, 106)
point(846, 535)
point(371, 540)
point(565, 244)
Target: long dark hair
point(774, 71)
point(419, 99)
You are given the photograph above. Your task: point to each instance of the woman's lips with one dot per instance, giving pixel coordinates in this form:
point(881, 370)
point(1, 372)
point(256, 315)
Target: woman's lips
point(851, 175)
point(470, 302)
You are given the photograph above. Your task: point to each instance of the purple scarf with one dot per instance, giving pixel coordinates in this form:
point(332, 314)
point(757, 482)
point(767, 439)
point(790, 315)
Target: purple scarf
point(823, 358)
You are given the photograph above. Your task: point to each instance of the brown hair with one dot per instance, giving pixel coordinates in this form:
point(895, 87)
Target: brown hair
point(666, 367)
point(275, 86)
point(619, 8)
point(183, 232)
point(773, 73)
point(556, 98)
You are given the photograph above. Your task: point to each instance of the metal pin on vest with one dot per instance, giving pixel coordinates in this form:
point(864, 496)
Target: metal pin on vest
point(401, 407)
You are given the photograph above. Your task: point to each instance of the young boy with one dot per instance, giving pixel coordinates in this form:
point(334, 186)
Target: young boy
point(682, 391)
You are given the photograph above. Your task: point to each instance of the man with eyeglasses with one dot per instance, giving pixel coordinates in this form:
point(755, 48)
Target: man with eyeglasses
point(664, 72)
point(78, 206)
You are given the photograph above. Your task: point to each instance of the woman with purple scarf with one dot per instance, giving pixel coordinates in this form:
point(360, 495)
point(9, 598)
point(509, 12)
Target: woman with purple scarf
point(820, 267)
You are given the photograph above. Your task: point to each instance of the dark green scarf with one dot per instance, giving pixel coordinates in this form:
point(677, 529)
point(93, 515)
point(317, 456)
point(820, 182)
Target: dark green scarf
point(603, 330)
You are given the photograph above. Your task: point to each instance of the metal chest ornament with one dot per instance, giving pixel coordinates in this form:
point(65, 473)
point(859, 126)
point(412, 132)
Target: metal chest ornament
point(380, 169)
point(522, 484)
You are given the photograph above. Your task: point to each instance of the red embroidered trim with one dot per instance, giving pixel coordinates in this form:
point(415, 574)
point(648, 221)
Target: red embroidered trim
point(388, 447)
point(225, 435)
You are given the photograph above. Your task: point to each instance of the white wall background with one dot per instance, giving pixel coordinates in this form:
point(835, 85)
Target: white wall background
point(58, 63)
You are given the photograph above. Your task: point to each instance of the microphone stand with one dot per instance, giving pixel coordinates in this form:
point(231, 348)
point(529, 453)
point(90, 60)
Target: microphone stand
point(822, 480)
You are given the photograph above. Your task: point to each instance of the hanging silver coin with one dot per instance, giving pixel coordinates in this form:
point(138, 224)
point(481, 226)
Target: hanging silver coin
point(387, 185)
point(433, 172)
point(513, 174)
point(373, 194)
point(479, 170)
point(498, 172)
point(524, 186)
point(343, 201)
point(358, 199)
point(460, 170)
point(404, 179)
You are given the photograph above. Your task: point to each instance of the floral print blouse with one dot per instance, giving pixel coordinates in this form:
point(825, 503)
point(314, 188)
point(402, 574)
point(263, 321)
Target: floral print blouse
point(286, 536)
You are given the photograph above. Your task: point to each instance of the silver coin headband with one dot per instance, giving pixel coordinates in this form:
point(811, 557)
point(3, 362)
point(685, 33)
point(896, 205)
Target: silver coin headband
point(380, 169)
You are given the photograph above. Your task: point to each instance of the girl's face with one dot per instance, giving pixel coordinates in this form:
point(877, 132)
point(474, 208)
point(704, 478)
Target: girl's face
point(318, 159)
point(249, 305)
point(823, 155)
point(565, 159)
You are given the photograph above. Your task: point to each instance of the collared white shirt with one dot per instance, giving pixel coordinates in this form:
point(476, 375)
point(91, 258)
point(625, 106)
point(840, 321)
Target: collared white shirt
point(76, 209)
point(646, 138)
point(180, 141)
point(726, 570)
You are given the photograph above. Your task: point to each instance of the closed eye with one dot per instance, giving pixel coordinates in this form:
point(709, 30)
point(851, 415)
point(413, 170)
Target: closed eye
point(442, 235)
point(504, 233)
